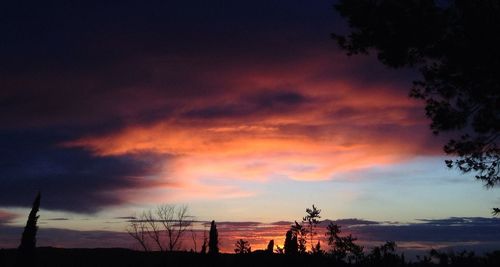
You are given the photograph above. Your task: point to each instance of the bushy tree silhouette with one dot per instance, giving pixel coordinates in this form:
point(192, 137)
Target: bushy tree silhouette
point(26, 250)
point(384, 255)
point(242, 247)
point(455, 46)
point(213, 241)
point(343, 247)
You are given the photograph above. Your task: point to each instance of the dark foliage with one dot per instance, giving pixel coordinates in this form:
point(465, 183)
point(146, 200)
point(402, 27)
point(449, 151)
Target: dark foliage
point(343, 247)
point(204, 247)
point(455, 46)
point(290, 246)
point(270, 246)
point(125, 257)
point(213, 242)
point(26, 250)
point(300, 235)
point(312, 220)
point(242, 247)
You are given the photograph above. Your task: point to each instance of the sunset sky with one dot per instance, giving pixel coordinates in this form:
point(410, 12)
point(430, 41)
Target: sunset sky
point(246, 111)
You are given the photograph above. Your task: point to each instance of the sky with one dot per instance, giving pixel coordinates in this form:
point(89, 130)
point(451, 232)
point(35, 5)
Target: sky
point(246, 111)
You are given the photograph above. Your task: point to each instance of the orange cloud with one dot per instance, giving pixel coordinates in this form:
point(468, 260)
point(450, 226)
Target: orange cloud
point(276, 122)
point(259, 151)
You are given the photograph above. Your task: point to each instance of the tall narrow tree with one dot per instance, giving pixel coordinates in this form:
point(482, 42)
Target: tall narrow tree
point(270, 247)
point(26, 256)
point(213, 242)
point(291, 246)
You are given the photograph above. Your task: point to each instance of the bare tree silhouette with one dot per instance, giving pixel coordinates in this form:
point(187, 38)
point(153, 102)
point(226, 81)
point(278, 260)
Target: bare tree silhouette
point(164, 226)
point(137, 229)
point(175, 221)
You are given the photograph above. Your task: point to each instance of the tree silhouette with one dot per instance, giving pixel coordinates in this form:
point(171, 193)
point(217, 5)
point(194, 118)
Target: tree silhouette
point(384, 255)
point(213, 242)
point(270, 246)
point(300, 235)
point(343, 247)
point(26, 250)
point(455, 47)
point(290, 246)
point(164, 227)
point(242, 247)
point(312, 220)
point(138, 230)
point(316, 250)
point(175, 221)
point(204, 246)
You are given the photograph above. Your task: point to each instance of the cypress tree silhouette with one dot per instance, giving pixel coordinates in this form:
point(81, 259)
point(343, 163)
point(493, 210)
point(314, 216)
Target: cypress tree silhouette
point(204, 246)
point(213, 242)
point(270, 247)
point(26, 251)
point(291, 246)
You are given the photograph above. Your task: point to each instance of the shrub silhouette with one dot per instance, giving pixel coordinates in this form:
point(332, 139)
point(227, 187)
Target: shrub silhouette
point(242, 247)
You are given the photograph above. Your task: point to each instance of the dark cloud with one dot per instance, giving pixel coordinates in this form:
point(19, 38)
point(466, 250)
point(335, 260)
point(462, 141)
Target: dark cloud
point(71, 70)
point(213, 112)
point(280, 223)
point(127, 63)
point(233, 225)
point(57, 219)
point(127, 218)
point(278, 99)
point(342, 222)
point(265, 102)
point(463, 221)
point(442, 230)
point(350, 222)
point(69, 179)
point(55, 237)
point(478, 234)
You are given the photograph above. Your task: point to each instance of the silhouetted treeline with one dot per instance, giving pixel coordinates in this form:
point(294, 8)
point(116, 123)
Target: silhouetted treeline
point(342, 250)
point(125, 257)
